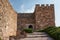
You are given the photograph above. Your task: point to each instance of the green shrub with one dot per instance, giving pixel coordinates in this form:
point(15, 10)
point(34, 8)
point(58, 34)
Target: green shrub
point(53, 32)
point(29, 30)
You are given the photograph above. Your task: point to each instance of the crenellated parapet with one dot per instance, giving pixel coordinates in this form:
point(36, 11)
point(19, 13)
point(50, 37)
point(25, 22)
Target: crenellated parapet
point(44, 5)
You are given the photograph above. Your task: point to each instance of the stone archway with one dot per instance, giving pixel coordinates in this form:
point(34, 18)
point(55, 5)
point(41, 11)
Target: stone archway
point(30, 26)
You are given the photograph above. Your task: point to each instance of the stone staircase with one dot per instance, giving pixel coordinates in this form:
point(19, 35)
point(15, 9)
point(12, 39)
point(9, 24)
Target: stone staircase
point(36, 36)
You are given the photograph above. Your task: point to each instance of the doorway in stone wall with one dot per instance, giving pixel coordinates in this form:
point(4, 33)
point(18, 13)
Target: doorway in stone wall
point(30, 26)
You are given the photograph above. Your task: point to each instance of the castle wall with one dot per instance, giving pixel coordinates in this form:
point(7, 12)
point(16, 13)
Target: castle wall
point(8, 20)
point(44, 16)
point(24, 20)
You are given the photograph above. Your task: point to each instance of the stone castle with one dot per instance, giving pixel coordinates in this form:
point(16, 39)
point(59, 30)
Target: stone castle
point(42, 17)
point(11, 21)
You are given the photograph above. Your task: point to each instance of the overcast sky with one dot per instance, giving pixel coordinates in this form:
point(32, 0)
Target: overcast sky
point(28, 6)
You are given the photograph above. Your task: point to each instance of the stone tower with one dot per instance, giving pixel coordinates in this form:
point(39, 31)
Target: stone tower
point(44, 16)
point(8, 20)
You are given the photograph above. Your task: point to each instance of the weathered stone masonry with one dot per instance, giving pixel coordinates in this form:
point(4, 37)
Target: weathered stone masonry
point(8, 20)
point(44, 16)
point(24, 20)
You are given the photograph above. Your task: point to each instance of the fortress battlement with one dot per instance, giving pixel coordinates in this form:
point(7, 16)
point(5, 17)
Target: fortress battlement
point(45, 5)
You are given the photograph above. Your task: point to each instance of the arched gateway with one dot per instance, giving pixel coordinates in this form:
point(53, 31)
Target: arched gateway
point(30, 26)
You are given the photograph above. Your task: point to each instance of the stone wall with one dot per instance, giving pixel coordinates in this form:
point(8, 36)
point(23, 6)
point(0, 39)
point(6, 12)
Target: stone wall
point(24, 20)
point(8, 20)
point(44, 16)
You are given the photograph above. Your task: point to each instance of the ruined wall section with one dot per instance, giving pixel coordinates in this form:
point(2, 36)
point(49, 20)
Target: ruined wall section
point(44, 16)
